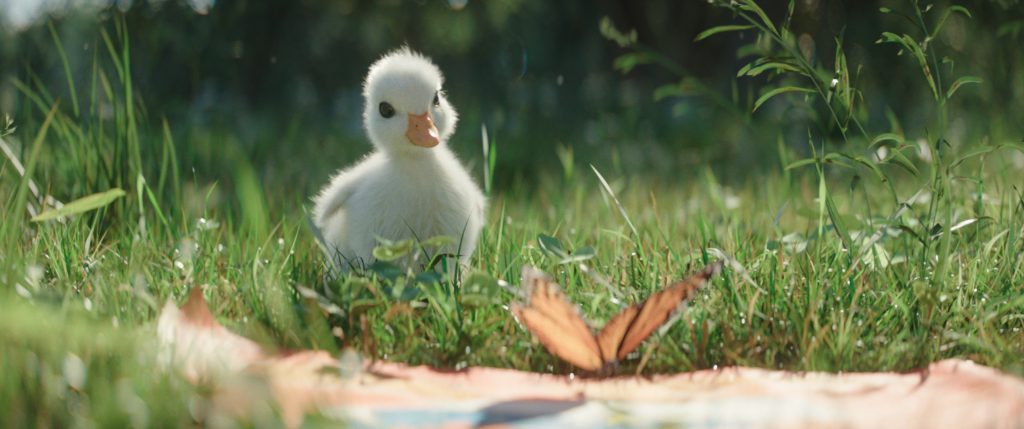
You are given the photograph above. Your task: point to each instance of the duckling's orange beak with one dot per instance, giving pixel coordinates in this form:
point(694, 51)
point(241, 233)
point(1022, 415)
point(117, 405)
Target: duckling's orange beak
point(421, 131)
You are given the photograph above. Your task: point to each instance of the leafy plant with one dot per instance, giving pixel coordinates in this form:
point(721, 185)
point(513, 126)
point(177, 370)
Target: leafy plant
point(641, 54)
point(777, 53)
point(790, 66)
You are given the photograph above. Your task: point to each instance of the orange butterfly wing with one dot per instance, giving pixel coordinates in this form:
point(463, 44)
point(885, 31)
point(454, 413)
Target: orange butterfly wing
point(556, 322)
point(614, 331)
point(628, 329)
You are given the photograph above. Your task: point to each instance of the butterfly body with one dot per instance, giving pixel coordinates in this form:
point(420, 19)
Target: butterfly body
point(557, 324)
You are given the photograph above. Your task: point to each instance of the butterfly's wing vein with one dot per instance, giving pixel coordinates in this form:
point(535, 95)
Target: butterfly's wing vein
point(614, 331)
point(557, 323)
point(659, 308)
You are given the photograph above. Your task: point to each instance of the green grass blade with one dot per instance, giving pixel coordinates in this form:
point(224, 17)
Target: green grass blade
point(777, 91)
point(81, 205)
point(72, 89)
point(622, 210)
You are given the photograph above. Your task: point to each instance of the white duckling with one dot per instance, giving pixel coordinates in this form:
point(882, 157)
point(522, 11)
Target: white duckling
point(411, 186)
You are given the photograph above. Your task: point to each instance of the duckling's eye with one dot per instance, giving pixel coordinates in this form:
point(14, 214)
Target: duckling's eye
point(386, 110)
point(437, 101)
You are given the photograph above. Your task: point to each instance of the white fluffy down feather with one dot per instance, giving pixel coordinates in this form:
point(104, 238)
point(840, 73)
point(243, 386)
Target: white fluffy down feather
point(411, 186)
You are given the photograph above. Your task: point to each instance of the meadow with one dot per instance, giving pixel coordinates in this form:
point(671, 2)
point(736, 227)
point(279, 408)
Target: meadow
point(884, 253)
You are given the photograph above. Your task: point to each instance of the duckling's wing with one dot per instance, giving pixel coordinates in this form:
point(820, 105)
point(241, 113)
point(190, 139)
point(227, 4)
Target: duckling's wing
point(343, 185)
point(333, 197)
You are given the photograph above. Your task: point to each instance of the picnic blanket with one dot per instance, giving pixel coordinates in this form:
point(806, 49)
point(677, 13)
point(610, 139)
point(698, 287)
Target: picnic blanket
point(249, 382)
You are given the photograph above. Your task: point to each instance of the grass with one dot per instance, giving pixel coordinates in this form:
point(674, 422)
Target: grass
point(837, 268)
point(94, 289)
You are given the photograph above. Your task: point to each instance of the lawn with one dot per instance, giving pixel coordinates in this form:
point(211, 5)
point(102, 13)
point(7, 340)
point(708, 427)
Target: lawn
point(840, 259)
point(83, 294)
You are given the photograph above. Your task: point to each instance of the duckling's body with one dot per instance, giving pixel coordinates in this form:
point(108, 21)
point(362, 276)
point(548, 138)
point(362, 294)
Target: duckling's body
point(412, 186)
point(388, 198)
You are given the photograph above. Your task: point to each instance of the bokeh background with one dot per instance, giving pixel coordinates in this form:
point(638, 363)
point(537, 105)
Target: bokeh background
point(278, 82)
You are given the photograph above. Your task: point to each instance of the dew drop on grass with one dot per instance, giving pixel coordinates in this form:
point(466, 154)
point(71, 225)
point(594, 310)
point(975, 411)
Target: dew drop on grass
point(74, 371)
point(34, 273)
point(22, 292)
point(87, 303)
point(206, 224)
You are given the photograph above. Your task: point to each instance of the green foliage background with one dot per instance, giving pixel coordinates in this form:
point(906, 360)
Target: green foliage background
point(537, 73)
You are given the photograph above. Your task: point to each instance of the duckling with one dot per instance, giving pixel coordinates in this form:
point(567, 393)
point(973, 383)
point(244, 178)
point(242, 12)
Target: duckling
point(411, 186)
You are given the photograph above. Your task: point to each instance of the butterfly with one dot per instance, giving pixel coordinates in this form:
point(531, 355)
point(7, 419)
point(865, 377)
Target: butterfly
point(557, 324)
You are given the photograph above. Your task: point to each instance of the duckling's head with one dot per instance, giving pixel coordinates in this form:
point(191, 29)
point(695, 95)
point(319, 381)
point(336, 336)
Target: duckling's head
point(406, 110)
